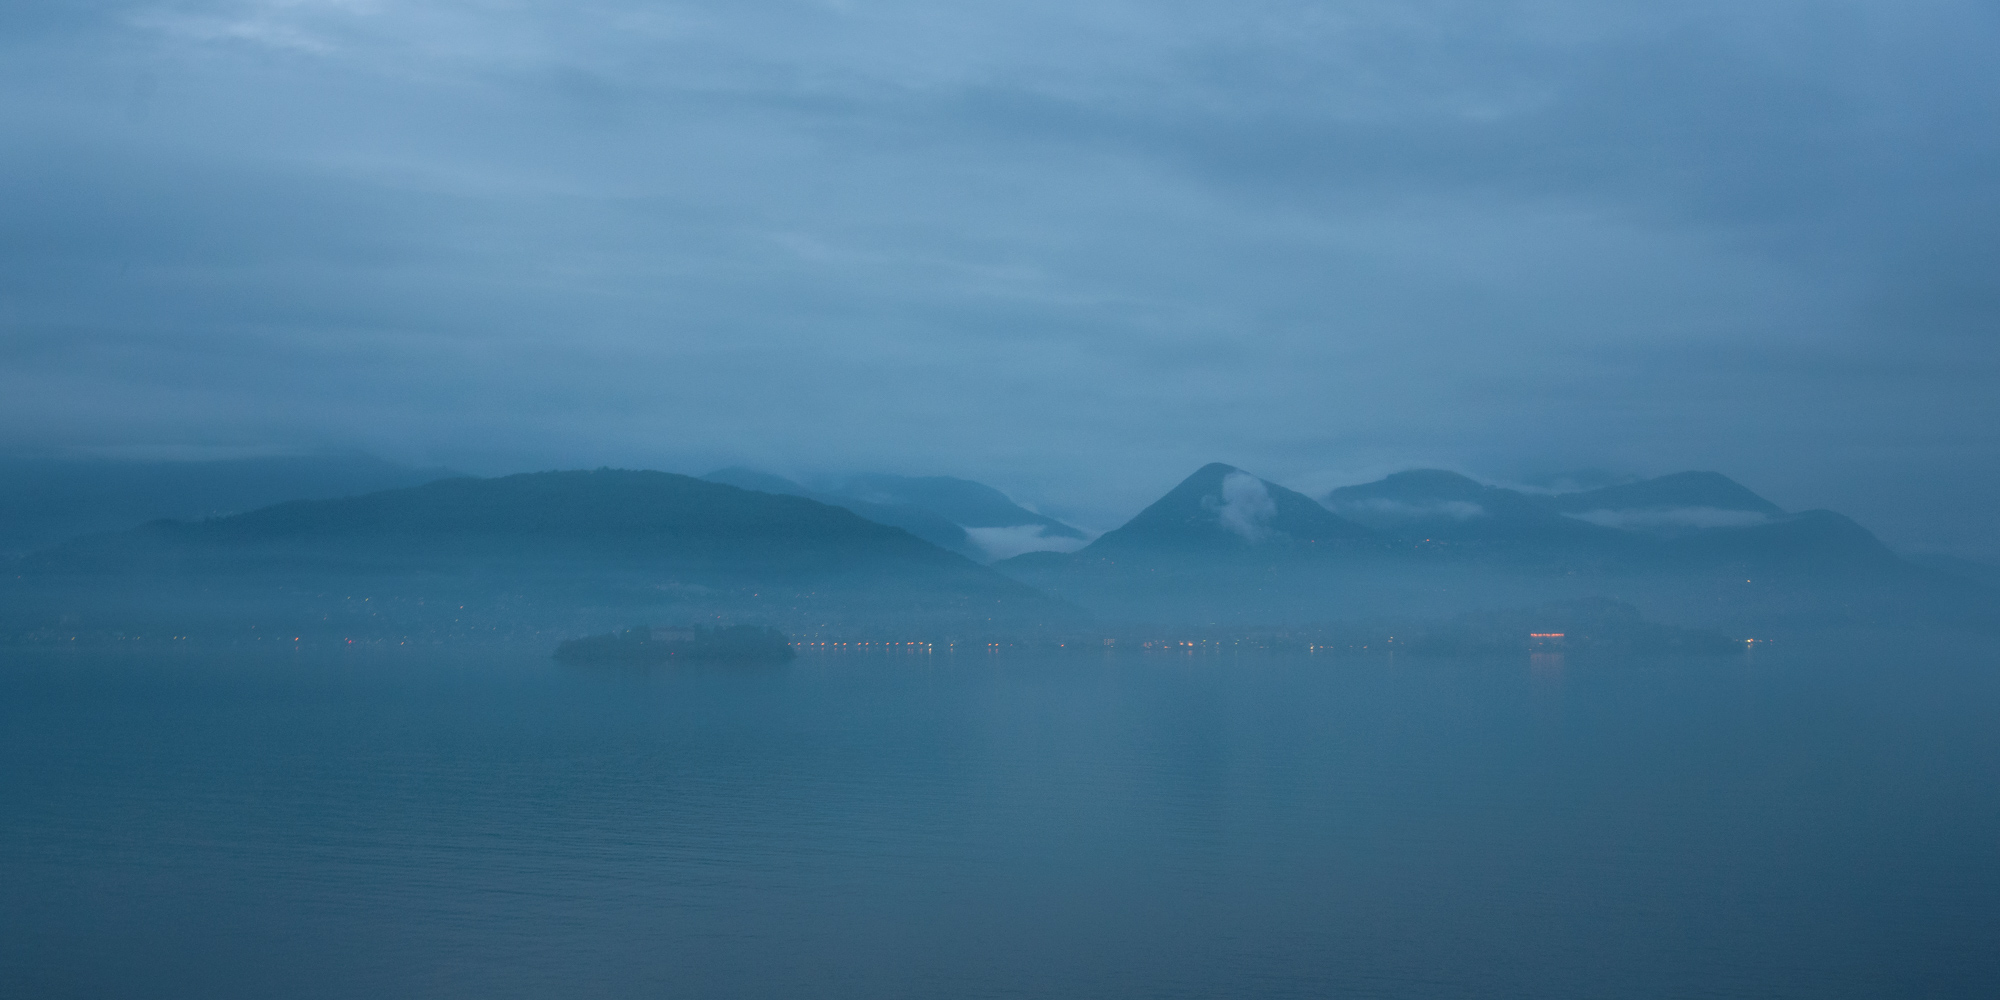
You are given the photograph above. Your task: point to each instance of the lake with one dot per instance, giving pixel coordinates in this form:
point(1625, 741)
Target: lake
point(1796, 821)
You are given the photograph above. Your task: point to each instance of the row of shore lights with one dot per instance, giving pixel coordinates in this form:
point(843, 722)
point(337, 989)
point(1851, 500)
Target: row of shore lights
point(989, 645)
point(924, 645)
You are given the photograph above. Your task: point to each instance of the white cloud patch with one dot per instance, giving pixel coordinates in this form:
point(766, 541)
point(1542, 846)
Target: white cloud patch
point(1672, 518)
point(1013, 540)
point(1398, 510)
point(1245, 507)
point(308, 26)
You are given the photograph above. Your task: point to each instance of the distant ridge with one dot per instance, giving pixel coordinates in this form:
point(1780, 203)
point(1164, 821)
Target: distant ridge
point(1680, 521)
point(1806, 542)
point(1433, 505)
point(924, 524)
point(964, 502)
point(539, 550)
point(1225, 546)
point(597, 551)
point(46, 500)
point(972, 519)
point(611, 514)
point(1711, 490)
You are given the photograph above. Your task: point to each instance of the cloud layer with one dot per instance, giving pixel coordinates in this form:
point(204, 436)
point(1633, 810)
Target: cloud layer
point(1073, 249)
point(1013, 540)
point(1673, 518)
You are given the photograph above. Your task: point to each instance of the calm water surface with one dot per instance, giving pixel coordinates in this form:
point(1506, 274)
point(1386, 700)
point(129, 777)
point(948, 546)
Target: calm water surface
point(1794, 823)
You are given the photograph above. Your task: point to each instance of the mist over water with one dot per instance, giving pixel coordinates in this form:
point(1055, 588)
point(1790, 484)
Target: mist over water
point(1802, 820)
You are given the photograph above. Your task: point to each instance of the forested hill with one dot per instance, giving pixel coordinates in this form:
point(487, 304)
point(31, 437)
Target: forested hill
point(608, 514)
point(551, 545)
point(1692, 548)
point(46, 500)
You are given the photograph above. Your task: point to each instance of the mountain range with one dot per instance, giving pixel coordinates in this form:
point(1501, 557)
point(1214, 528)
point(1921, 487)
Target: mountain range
point(1695, 547)
point(44, 500)
point(540, 551)
point(958, 515)
point(1224, 548)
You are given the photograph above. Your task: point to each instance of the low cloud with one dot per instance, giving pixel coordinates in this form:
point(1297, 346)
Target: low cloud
point(1013, 540)
point(1672, 518)
point(1245, 507)
point(1398, 510)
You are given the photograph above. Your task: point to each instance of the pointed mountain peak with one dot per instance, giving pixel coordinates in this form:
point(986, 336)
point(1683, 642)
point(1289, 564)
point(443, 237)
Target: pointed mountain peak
point(1208, 477)
point(1221, 506)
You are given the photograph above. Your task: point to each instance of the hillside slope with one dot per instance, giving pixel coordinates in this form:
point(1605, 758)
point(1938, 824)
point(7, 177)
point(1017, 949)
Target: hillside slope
point(540, 551)
point(1226, 547)
point(44, 501)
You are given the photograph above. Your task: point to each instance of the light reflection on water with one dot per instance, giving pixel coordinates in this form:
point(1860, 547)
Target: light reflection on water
point(999, 824)
point(1545, 665)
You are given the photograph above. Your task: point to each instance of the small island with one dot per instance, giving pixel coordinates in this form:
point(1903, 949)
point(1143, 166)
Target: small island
point(742, 644)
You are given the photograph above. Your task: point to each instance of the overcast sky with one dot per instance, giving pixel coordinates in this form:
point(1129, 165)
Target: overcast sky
point(1071, 249)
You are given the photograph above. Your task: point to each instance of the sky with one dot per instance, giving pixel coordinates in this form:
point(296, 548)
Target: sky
point(1074, 250)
